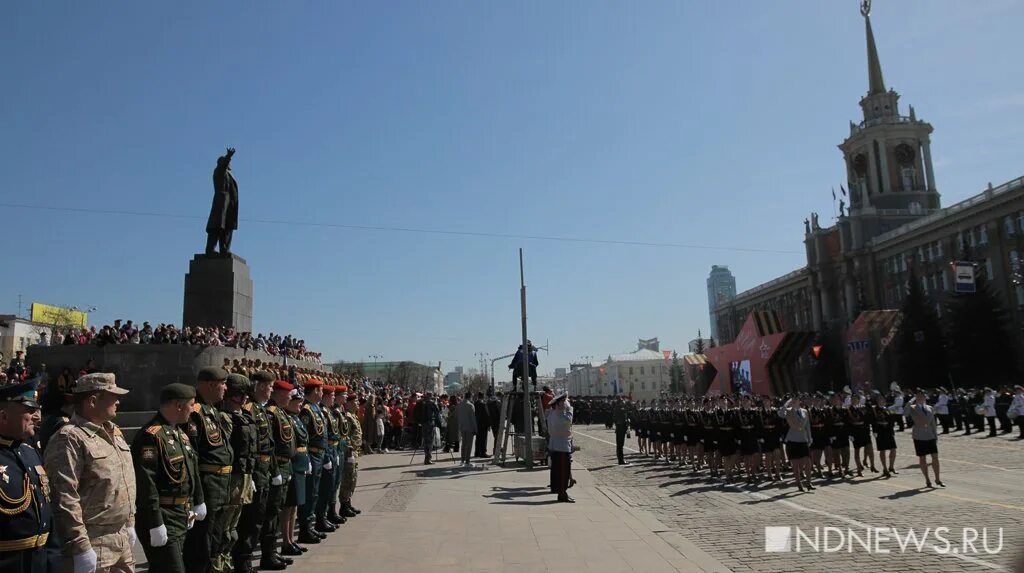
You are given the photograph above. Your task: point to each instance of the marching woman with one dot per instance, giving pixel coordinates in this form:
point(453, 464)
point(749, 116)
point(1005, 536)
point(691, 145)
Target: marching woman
point(925, 437)
point(860, 429)
point(881, 417)
point(749, 435)
point(769, 426)
point(798, 440)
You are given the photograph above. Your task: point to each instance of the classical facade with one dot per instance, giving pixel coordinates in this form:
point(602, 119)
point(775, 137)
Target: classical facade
point(891, 221)
point(643, 373)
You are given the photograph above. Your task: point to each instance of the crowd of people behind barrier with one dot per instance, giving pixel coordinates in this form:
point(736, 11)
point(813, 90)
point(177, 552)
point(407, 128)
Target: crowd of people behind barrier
point(128, 332)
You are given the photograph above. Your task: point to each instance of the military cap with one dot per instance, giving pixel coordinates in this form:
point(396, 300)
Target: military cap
point(176, 391)
point(238, 384)
point(23, 393)
point(352, 397)
point(559, 398)
point(212, 374)
point(283, 385)
point(328, 389)
point(313, 383)
point(98, 381)
point(262, 376)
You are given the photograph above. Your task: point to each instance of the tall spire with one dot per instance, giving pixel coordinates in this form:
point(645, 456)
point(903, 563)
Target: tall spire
point(876, 85)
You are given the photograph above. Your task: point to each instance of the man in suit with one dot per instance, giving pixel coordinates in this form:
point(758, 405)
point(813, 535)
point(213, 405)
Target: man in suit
point(482, 422)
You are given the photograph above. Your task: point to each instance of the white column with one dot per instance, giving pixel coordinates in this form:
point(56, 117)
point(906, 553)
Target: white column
point(872, 172)
point(926, 151)
point(886, 183)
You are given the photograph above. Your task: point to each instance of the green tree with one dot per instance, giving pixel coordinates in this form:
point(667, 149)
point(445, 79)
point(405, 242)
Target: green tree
point(982, 348)
point(920, 344)
point(700, 343)
point(676, 374)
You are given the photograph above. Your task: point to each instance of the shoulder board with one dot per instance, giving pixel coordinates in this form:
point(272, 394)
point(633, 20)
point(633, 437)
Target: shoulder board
point(117, 430)
point(247, 407)
point(307, 407)
point(65, 419)
point(152, 430)
point(197, 407)
point(272, 408)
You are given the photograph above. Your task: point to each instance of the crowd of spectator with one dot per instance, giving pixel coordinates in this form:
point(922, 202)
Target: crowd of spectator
point(128, 332)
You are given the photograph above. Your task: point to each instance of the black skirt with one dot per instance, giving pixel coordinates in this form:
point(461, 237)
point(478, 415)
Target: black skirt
point(693, 436)
point(727, 443)
point(771, 443)
point(797, 450)
point(861, 436)
point(885, 440)
point(710, 445)
point(748, 444)
point(925, 447)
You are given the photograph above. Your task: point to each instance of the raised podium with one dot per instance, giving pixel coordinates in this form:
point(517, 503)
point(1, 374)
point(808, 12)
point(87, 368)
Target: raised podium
point(218, 292)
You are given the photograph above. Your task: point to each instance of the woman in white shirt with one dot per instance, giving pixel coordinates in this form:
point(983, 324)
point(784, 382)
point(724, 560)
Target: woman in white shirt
point(990, 411)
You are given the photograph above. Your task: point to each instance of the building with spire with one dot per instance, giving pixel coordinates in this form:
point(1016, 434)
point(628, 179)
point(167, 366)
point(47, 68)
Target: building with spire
point(891, 220)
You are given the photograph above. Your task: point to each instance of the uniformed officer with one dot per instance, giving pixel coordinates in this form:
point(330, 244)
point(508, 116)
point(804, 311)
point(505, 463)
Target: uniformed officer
point(283, 434)
point(170, 497)
point(327, 483)
point(354, 435)
point(338, 411)
point(206, 429)
point(93, 481)
point(254, 515)
point(28, 543)
point(316, 429)
point(244, 444)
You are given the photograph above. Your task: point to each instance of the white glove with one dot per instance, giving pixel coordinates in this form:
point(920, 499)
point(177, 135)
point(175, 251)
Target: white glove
point(158, 536)
point(200, 512)
point(309, 471)
point(191, 521)
point(252, 487)
point(85, 562)
point(328, 465)
point(133, 537)
point(277, 480)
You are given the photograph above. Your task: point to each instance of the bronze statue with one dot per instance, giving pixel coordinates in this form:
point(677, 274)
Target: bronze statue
point(842, 208)
point(224, 212)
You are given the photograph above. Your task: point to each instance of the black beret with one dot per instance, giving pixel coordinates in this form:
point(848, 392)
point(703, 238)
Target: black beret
point(238, 385)
point(263, 376)
point(212, 373)
point(176, 391)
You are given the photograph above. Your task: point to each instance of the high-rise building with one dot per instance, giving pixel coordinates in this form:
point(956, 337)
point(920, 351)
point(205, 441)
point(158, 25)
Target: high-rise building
point(721, 288)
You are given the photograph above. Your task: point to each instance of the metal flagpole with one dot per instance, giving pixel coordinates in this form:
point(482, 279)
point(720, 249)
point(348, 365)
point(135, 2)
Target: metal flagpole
point(528, 434)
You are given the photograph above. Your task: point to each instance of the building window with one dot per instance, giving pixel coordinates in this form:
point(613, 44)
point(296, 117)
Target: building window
point(641, 370)
point(970, 237)
point(643, 385)
point(924, 284)
point(960, 241)
point(928, 254)
point(938, 248)
point(945, 285)
point(630, 370)
point(988, 268)
point(1011, 229)
point(982, 235)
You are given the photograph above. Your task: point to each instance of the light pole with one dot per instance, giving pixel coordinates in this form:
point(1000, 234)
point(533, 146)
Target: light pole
point(375, 357)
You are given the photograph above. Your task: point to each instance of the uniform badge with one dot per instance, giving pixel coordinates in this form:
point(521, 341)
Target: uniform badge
point(148, 454)
point(3, 474)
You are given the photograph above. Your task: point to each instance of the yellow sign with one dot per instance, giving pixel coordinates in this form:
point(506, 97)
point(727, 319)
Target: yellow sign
point(58, 315)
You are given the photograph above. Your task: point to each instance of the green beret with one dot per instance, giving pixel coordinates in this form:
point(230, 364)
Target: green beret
point(238, 385)
point(176, 391)
point(263, 376)
point(212, 374)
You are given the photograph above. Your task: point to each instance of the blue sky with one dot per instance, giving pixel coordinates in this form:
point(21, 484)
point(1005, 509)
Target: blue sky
point(703, 123)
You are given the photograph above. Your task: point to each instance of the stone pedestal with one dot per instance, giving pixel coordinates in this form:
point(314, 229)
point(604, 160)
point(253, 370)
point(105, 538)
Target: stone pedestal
point(218, 292)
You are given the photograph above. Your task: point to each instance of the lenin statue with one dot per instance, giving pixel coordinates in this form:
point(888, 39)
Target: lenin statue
point(224, 212)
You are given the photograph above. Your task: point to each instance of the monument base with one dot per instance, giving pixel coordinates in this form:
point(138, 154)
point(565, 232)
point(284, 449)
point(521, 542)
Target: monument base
point(218, 292)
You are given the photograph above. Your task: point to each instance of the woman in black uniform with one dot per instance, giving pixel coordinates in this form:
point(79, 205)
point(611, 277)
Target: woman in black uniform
point(820, 438)
point(694, 435)
point(840, 437)
point(749, 435)
point(881, 418)
point(860, 430)
point(710, 420)
point(769, 431)
point(727, 436)
point(642, 428)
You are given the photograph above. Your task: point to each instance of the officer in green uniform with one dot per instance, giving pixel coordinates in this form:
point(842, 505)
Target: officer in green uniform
point(337, 411)
point(283, 434)
point(254, 515)
point(169, 495)
point(354, 435)
point(316, 428)
point(327, 483)
point(209, 435)
point(244, 443)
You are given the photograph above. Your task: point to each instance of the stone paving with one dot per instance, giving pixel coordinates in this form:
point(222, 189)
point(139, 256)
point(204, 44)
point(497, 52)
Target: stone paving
point(985, 490)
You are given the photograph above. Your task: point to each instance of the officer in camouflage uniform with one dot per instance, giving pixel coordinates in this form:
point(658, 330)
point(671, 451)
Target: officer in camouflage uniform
point(209, 435)
point(167, 479)
point(327, 483)
point(316, 428)
point(283, 434)
point(337, 411)
point(254, 515)
point(93, 481)
point(28, 543)
point(354, 436)
point(244, 440)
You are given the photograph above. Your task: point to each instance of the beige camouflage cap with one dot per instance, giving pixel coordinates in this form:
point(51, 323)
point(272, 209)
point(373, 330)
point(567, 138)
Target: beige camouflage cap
point(98, 381)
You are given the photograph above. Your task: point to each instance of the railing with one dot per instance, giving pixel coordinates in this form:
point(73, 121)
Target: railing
point(936, 215)
point(884, 121)
point(765, 286)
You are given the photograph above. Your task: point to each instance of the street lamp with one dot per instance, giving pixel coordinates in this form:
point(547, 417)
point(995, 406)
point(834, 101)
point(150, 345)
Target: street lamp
point(375, 357)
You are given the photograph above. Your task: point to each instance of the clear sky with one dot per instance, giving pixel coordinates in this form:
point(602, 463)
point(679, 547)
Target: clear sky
point(706, 123)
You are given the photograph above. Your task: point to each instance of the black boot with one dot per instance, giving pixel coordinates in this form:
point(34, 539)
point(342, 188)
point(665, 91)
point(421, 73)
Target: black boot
point(336, 519)
point(292, 549)
point(269, 564)
point(347, 510)
point(352, 509)
point(307, 536)
point(325, 526)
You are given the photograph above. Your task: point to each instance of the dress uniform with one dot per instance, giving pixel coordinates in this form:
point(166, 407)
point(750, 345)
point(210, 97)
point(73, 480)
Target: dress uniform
point(209, 436)
point(316, 429)
point(254, 515)
point(244, 443)
point(283, 434)
point(327, 484)
point(92, 478)
point(27, 540)
point(338, 411)
point(354, 436)
point(170, 497)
